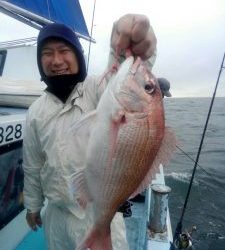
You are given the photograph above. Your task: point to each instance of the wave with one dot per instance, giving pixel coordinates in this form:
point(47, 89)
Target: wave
point(211, 235)
point(181, 177)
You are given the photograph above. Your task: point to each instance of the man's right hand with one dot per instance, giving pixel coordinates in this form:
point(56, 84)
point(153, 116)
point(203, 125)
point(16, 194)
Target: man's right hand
point(134, 32)
point(34, 220)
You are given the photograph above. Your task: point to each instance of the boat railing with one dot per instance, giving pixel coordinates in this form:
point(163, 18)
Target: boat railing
point(18, 42)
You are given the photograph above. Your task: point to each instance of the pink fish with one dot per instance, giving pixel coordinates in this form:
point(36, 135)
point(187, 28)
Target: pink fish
point(127, 142)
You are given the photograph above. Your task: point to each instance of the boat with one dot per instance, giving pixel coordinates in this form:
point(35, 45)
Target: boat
point(149, 226)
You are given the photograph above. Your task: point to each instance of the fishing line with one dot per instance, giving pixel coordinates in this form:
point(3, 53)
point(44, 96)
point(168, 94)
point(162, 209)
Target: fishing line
point(92, 25)
point(188, 156)
point(178, 232)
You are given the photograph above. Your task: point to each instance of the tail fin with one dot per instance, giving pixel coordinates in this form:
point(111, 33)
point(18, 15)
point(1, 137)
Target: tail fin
point(97, 240)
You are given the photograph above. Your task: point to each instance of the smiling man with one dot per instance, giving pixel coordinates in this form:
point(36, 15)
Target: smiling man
point(60, 60)
point(69, 94)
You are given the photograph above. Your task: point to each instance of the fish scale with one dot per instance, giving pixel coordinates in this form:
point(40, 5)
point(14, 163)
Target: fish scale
point(123, 155)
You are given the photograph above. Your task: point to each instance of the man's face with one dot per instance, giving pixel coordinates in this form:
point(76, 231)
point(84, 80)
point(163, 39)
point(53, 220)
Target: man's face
point(58, 58)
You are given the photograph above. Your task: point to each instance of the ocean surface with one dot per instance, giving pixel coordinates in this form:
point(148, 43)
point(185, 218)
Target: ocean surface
point(206, 205)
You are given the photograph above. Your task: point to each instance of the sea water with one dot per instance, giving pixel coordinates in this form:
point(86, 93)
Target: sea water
point(206, 204)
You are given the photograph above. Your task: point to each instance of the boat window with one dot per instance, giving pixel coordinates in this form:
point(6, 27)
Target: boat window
point(11, 185)
point(2, 60)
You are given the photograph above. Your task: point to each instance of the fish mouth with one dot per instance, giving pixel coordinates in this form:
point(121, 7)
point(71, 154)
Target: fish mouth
point(150, 82)
point(135, 91)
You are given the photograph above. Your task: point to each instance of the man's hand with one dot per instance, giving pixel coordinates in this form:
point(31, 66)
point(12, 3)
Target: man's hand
point(34, 220)
point(135, 33)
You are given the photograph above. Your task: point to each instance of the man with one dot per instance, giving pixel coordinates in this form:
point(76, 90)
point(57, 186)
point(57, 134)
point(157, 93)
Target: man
point(68, 95)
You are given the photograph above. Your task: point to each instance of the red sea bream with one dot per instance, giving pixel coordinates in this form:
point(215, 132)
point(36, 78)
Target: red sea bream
point(128, 140)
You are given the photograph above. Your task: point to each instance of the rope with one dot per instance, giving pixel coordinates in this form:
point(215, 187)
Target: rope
point(178, 230)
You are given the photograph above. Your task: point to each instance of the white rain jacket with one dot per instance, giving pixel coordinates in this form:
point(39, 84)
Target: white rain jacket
point(47, 119)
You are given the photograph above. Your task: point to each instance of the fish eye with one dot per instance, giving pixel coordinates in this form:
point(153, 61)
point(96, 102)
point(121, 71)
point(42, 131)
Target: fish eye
point(149, 87)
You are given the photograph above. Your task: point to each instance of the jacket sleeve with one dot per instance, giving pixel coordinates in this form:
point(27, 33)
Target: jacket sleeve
point(33, 160)
point(94, 87)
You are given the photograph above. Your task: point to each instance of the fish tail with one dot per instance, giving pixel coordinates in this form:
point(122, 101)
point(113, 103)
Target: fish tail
point(97, 240)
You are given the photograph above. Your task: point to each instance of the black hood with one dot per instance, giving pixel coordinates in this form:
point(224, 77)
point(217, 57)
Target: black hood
point(61, 32)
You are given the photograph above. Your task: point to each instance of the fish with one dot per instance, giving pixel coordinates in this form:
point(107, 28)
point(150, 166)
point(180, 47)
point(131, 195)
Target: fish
point(125, 142)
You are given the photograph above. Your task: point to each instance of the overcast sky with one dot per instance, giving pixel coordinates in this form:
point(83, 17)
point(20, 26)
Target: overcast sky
point(191, 39)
